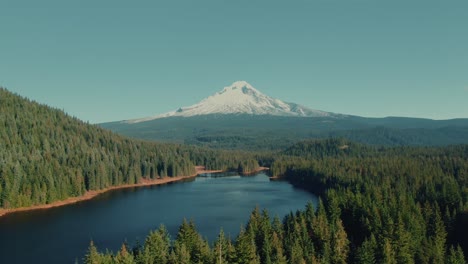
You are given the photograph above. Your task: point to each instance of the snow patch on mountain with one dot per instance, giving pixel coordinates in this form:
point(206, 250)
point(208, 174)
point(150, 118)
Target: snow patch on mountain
point(240, 98)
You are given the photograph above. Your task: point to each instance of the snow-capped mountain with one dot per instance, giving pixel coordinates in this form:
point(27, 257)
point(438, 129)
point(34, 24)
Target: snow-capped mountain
point(240, 98)
point(241, 117)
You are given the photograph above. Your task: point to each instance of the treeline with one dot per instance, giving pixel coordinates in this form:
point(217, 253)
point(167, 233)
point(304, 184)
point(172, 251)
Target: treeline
point(392, 136)
point(397, 205)
point(262, 241)
point(239, 161)
point(309, 236)
point(46, 156)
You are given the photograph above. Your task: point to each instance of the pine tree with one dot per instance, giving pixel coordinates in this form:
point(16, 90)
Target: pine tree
point(388, 253)
point(366, 253)
point(277, 253)
point(179, 255)
point(92, 256)
point(402, 243)
point(340, 244)
point(438, 237)
point(297, 254)
point(321, 235)
point(246, 251)
point(221, 249)
point(156, 247)
point(455, 256)
point(123, 256)
point(187, 235)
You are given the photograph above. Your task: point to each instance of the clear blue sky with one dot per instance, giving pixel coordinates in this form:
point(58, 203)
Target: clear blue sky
point(113, 60)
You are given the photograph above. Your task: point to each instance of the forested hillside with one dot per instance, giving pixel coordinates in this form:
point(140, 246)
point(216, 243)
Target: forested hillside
point(46, 156)
point(397, 205)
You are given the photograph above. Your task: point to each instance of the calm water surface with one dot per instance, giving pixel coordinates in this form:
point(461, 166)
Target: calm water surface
point(62, 235)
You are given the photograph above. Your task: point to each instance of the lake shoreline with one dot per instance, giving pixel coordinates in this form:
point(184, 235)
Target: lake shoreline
point(259, 169)
point(92, 194)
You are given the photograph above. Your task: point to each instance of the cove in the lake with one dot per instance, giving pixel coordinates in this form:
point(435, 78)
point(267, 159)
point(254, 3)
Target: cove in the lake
point(62, 235)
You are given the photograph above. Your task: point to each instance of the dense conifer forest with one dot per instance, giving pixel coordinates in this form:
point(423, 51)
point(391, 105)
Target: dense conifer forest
point(378, 205)
point(47, 156)
point(397, 205)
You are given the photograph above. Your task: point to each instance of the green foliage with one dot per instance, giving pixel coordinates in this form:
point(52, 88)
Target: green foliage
point(123, 256)
point(47, 156)
point(456, 256)
point(92, 256)
point(223, 250)
point(366, 253)
point(396, 205)
point(156, 249)
point(246, 251)
point(309, 236)
point(197, 248)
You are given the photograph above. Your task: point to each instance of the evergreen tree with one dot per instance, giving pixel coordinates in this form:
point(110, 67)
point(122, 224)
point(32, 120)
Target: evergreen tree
point(455, 256)
point(123, 256)
point(388, 253)
point(402, 243)
point(246, 251)
point(221, 249)
point(297, 254)
point(92, 256)
point(277, 251)
point(340, 244)
point(438, 237)
point(156, 247)
point(179, 255)
point(366, 253)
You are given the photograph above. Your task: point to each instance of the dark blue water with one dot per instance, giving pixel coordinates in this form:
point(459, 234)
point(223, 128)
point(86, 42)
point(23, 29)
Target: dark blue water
point(62, 235)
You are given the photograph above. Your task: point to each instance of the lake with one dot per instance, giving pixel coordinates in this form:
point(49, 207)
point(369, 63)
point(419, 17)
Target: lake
point(62, 234)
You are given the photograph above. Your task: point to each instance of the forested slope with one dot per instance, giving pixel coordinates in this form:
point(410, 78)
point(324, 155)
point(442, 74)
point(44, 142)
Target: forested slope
point(46, 156)
point(397, 205)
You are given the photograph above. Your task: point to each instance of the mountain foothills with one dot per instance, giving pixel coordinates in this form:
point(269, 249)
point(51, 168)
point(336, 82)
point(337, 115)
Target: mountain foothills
point(47, 156)
point(241, 117)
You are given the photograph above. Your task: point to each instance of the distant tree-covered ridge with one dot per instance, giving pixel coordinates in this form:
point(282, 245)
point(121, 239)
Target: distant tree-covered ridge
point(266, 132)
point(47, 155)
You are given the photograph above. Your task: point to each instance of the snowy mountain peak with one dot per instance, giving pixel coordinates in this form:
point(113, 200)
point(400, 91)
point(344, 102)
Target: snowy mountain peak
point(240, 86)
point(240, 98)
